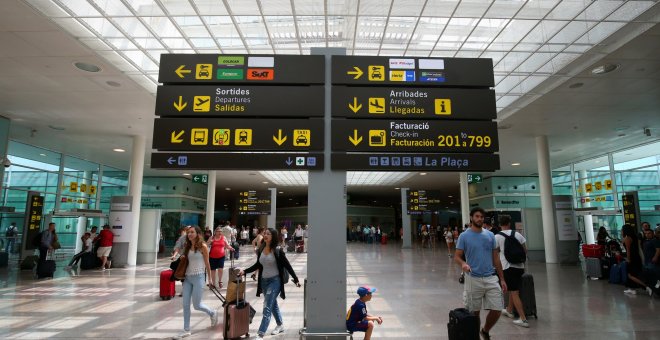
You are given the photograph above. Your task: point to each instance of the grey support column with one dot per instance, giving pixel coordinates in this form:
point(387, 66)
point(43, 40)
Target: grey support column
point(82, 220)
point(4, 144)
point(465, 198)
point(325, 300)
point(405, 220)
point(272, 218)
point(135, 190)
point(588, 219)
point(547, 211)
point(210, 199)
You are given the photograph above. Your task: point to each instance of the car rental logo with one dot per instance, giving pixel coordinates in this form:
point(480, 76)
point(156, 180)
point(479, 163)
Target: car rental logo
point(260, 74)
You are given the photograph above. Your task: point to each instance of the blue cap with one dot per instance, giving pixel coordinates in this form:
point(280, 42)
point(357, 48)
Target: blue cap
point(364, 290)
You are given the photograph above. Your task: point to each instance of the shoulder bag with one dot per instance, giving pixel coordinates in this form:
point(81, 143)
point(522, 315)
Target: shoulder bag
point(180, 272)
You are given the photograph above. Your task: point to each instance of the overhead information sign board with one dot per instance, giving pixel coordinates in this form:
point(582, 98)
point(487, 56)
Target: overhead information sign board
point(253, 202)
point(415, 162)
point(240, 101)
point(200, 178)
point(422, 201)
point(474, 178)
point(404, 71)
point(209, 134)
point(413, 103)
point(236, 161)
point(240, 68)
point(414, 136)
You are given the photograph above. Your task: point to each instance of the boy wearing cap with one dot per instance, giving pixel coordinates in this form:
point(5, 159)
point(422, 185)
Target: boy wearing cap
point(357, 319)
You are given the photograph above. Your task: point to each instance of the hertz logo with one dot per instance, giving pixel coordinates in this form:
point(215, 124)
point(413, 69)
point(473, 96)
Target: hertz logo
point(260, 74)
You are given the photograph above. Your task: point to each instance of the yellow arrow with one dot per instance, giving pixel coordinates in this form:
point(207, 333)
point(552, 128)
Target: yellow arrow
point(355, 139)
point(358, 73)
point(181, 71)
point(176, 137)
point(279, 139)
point(181, 105)
point(355, 107)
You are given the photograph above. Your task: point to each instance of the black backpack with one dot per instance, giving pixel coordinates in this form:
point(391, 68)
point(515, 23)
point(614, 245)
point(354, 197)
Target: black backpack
point(11, 232)
point(514, 252)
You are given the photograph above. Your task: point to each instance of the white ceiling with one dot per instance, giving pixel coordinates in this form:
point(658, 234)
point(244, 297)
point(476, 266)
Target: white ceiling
point(539, 48)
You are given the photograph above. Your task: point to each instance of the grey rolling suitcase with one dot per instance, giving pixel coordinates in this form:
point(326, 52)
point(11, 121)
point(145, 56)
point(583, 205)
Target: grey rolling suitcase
point(594, 269)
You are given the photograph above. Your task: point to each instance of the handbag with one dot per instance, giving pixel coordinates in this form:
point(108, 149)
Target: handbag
point(174, 264)
point(285, 276)
point(180, 272)
point(56, 244)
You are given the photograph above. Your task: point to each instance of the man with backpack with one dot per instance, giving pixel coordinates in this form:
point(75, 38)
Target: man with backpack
point(513, 255)
point(10, 234)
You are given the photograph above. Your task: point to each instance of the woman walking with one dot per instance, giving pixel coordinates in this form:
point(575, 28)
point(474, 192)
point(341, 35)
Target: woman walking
point(218, 244)
point(449, 239)
point(271, 265)
point(197, 253)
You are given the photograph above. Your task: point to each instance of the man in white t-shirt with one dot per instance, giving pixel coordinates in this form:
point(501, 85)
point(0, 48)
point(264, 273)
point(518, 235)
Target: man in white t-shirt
point(512, 272)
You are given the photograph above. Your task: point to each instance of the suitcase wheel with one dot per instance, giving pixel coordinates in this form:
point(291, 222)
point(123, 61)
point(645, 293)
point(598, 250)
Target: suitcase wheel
point(163, 298)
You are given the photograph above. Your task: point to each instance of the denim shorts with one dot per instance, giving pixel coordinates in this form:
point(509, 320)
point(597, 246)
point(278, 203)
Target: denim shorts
point(217, 263)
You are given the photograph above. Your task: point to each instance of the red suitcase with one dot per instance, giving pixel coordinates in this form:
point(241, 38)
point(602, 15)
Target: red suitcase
point(166, 285)
point(237, 317)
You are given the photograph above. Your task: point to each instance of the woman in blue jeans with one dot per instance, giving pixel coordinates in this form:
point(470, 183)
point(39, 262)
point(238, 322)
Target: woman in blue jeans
point(193, 286)
point(271, 264)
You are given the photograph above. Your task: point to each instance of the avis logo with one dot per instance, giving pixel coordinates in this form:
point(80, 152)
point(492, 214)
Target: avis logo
point(260, 74)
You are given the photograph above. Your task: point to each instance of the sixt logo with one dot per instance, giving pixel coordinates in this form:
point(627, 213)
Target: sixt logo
point(260, 74)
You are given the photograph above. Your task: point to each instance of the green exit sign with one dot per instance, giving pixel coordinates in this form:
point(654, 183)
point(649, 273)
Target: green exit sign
point(475, 178)
point(200, 178)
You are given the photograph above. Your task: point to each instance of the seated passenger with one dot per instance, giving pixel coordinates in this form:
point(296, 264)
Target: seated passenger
point(87, 248)
point(357, 318)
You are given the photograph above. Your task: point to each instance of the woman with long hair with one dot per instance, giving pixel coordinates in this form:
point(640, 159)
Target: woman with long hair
point(602, 236)
point(271, 265)
point(634, 260)
point(218, 244)
point(197, 253)
point(449, 239)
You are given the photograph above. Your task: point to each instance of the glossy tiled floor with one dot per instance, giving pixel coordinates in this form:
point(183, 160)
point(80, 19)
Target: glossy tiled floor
point(416, 289)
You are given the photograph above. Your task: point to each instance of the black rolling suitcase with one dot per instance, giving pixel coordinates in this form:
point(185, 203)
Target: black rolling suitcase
point(462, 325)
point(528, 295)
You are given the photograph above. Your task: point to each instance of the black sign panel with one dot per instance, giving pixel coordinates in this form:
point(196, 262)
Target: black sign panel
point(240, 101)
point(413, 136)
point(254, 202)
point(34, 209)
point(422, 201)
point(404, 71)
point(236, 161)
point(240, 68)
point(413, 103)
point(415, 162)
point(631, 214)
point(209, 134)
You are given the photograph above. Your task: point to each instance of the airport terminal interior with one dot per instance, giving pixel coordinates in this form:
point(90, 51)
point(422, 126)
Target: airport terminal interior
point(401, 115)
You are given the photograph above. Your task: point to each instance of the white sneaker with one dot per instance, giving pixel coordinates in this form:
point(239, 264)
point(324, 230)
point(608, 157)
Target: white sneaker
point(182, 335)
point(521, 323)
point(507, 314)
point(630, 291)
point(259, 337)
point(214, 319)
point(279, 329)
point(649, 290)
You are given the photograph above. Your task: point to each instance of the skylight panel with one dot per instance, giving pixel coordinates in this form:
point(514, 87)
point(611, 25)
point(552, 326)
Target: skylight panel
point(407, 8)
point(141, 60)
point(276, 7)
point(374, 7)
point(598, 10)
point(514, 31)
point(558, 62)
point(74, 27)
point(243, 7)
point(544, 30)
point(112, 7)
point(145, 7)
point(568, 9)
point(530, 83)
point(122, 44)
point(133, 27)
point(535, 61)
point(536, 9)
point(177, 44)
point(511, 61)
point(287, 178)
point(163, 27)
point(309, 7)
point(203, 43)
point(471, 8)
point(103, 27)
point(81, 8)
point(210, 7)
point(571, 32)
point(149, 43)
point(631, 10)
point(48, 8)
point(503, 9)
point(95, 44)
point(600, 32)
point(178, 7)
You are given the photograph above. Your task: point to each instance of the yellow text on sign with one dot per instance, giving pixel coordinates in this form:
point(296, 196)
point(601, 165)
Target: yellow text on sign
point(608, 184)
point(377, 138)
point(243, 137)
point(73, 186)
point(443, 107)
point(203, 71)
point(376, 105)
point(221, 137)
point(599, 186)
point(397, 75)
point(202, 104)
point(588, 187)
point(302, 137)
point(83, 187)
point(199, 137)
point(376, 73)
point(92, 189)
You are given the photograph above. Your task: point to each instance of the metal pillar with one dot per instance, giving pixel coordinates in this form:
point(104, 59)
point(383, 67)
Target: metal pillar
point(210, 199)
point(547, 211)
point(272, 218)
point(135, 190)
point(465, 198)
point(405, 220)
point(588, 219)
point(326, 275)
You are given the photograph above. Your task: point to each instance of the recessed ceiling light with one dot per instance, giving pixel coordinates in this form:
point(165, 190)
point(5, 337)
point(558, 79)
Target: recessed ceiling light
point(227, 189)
point(42, 154)
point(290, 199)
point(280, 192)
point(575, 85)
point(118, 150)
point(87, 67)
point(397, 188)
point(186, 174)
point(450, 196)
point(515, 164)
point(265, 182)
point(605, 68)
point(422, 173)
point(596, 161)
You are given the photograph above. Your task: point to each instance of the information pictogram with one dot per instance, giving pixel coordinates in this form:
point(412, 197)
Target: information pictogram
point(221, 136)
point(243, 137)
point(443, 107)
point(199, 137)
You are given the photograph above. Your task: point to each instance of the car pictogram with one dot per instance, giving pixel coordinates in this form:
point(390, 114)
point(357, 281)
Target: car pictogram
point(301, 140)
